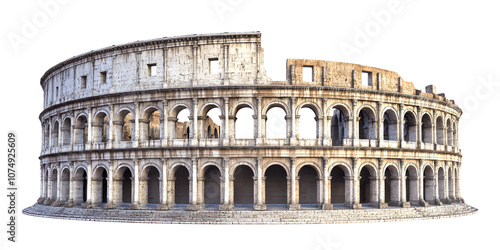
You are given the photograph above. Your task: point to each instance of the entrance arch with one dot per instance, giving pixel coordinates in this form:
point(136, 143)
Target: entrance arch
point(276, 185)
point(211, 185)
point(308, 185)
point(243, 185)
point(181, 187)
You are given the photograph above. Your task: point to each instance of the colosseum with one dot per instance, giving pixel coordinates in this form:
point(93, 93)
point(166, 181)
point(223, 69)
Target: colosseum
point(190, 129)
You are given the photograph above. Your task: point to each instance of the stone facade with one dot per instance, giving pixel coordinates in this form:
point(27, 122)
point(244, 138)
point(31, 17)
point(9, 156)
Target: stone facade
point(113, 137)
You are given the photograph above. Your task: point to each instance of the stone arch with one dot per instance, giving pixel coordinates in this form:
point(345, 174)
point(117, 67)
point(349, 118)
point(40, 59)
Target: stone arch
point(241, 113)
point(80, 183)
point(428, 181)
point(409, 126)
point(439, 124)
point(81, 129)
point(151, 123)
point(211, 175)
point(276, 120)
point(339, 187)
point(211, 123)
point(367, 127)
point(309, 186)
point(66, 131)
point(309, 104)
point(441, 178)
point(100, 177)
point(65, 184)
point(46, 135)
point(123, 128)
point(426, 121)
point(451, 180)
point(276, 184)
point(339, 123)
point(53, 183)
point(243, 184)
point(391, 183)
point(55, 133)
point(411, 183)
point(180, 174)
point(390, 124)
point(368, 183)
point(449, 132)
point(180, 129)
point(101, 126)
point(124, 183)
point(308, 119)
point(151, 184)
point(312, 164)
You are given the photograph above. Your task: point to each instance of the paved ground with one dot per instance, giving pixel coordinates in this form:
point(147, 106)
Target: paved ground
point(244, 215)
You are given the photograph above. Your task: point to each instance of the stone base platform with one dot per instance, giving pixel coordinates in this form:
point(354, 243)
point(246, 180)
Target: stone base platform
point(242, 216)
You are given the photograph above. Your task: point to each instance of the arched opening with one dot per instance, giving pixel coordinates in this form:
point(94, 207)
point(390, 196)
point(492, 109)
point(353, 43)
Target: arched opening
point(123, 126)
point(153, 186)
point(390, 125)
point(428, 184)
point(66, 131)
point(339, 126)
point(55, 135)
point(338, 185)
point(449, 133)
point(182, 130)
point(46, 136)
point(426, 129)
point(65, 185)
point(308, 185)
point(80, 186)
point(367, 185)
point(276, 184)
point(276, 127)
point(53, 185)
point(439, 131)
point(366, 124)
point(125, 175)
point(411, 183)
point(101, 127)
point(410, 127)
point(244, 124)
point(308, 124)
point(100, 185)
point(211, 187)
point(441, 181)
point(81, 130)
point(391, 185)
point(211, 122)
point(181, 185)
point(243, 185)
point(151, 128)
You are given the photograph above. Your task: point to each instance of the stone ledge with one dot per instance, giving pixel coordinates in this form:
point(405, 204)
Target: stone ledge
point(363, 215)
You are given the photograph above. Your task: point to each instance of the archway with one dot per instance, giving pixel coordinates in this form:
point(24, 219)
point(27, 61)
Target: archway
point(276, 127)
point(426, 129)
point(211, 187)
point(243, 185)
point(101, 127)
point(428, 184)
point(80, 186)
point(81, 130)
point(391, 184)
point(366, 124)
point(338, 185)
point(410, 127)
point(308, 185)
point(411, 183)
point(276, 185)
point(123, 126)
point(367, 185)
point(66, 131)
point(181, 185)
point(244, 123)
point(100, 185)
point(65, 185)
point(308, 124)
point(153, 179)
point(339, 125)
point(441, 181)
point(390, 125)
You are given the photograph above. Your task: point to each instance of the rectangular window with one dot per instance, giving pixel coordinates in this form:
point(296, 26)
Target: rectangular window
point(366, 78)
point(307, 73)
point(104, 75)
point(57, 92)
point(83, 82)
point(152, 69)
point(213, 66)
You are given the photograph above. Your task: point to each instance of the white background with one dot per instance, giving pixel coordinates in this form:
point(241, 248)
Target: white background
point(451, 44)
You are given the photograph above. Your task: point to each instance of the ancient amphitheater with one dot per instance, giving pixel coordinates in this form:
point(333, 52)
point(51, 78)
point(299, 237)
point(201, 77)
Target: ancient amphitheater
point(190, 129)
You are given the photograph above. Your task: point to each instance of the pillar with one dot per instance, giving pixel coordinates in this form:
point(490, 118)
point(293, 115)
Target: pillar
point(293, 186)
point(136, 132)
point(90, 193)
point(355, 181)
point(164, 187)
point(327, 205)
point(193, 181)
point(259, 205)
point(227, 205)
point(112, 203)
point(135, 187)
point(382, 203)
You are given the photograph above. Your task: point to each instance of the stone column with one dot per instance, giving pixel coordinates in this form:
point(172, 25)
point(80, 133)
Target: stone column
point(136, 187)
point(193, 202)
point(292, 123)
point(401, 125)
point(70, 201)
point(136, 131)
point(227, 187)
point(164, 191)
point(327, 205)
point(419, 126)
point(90, 120)
point(457, 183)
point(356, 179)
point(111, 186)
point(437, 199)
point(325, 136)
point(382, 203)
point(90, 193)
point(354, 123)
point(226, 125)
point(111, 126)
point(42, 185)
point(259, 205)
point(404, 203)
point(58, 202)
point(194, 124)
point(164, 125)
point(293, 186)
point(421, 182)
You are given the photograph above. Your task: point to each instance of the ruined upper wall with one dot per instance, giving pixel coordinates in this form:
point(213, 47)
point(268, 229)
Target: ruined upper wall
point(187, 61)
point(339, 74)
point(200, 60)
